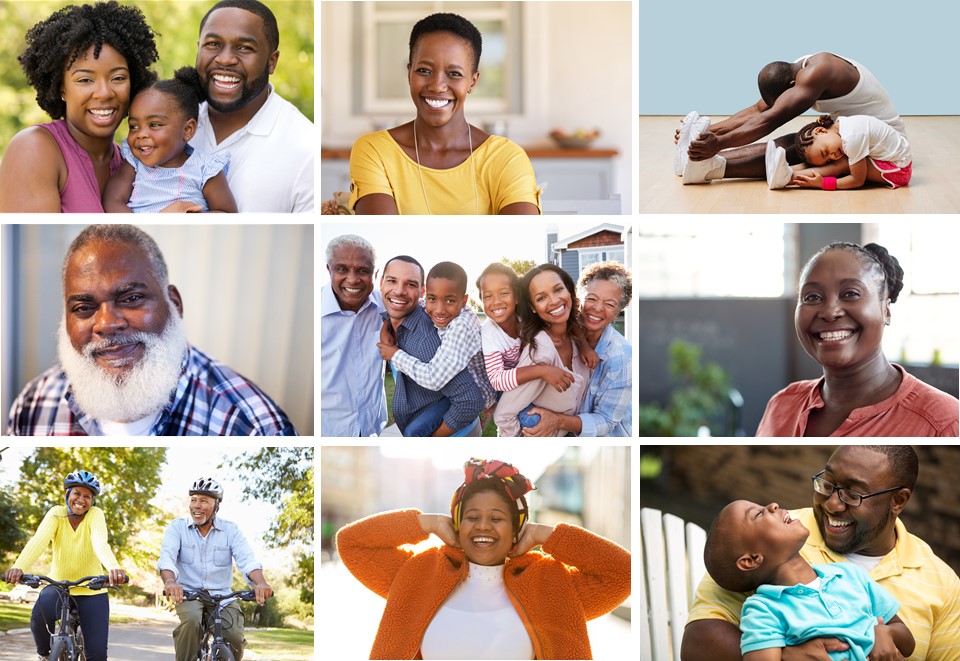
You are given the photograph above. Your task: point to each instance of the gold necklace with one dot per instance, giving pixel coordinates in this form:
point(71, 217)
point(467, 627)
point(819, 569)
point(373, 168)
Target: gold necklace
point(473, 167)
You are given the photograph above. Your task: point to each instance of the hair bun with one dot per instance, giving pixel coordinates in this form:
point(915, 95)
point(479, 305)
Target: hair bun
point(891, 268)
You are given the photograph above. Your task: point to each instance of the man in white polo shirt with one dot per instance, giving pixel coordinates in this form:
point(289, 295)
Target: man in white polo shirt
point(270, 142)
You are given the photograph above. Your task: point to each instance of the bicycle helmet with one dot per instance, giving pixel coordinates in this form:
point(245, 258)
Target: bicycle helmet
point(207, 486)
point(82, 479)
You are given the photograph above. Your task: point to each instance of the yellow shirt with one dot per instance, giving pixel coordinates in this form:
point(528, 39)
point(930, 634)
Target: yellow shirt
point(926, 587)
point(76, 553)
point(503, 175)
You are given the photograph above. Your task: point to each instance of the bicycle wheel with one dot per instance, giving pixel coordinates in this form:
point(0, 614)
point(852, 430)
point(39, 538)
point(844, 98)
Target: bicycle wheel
point(203, 654)
point(79, 649)
point(221, 652)
point(59, 650)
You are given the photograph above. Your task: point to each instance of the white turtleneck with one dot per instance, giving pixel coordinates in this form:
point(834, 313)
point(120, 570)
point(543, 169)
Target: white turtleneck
point(477, 621)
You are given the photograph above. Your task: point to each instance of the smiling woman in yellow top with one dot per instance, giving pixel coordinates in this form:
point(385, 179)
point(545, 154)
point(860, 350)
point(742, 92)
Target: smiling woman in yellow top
point(78, 531)
point(438, 163)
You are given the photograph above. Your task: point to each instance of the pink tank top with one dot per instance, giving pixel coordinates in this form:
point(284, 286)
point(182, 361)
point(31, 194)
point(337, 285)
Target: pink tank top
point(82, 191)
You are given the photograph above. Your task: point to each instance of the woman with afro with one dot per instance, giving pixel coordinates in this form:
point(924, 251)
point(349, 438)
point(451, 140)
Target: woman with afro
point(86, 63)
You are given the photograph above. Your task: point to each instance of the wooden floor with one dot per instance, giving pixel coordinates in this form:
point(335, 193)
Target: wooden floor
point(934, 187)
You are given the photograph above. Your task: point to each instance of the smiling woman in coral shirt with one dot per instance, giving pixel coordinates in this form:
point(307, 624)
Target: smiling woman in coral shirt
point(486, 584)
point(844, 305)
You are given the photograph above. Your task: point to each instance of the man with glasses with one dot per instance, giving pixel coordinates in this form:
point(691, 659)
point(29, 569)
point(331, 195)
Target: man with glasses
point(857, 499)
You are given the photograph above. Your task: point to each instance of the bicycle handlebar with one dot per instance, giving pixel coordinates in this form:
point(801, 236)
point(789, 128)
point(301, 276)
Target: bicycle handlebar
point(89, 582)
point(203, 595)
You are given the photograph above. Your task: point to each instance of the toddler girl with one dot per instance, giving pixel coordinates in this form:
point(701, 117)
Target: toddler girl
point(844, 153)
point(161, 171)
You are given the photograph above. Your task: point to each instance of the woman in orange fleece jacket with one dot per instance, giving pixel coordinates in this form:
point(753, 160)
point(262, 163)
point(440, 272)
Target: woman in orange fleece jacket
point(485, 594)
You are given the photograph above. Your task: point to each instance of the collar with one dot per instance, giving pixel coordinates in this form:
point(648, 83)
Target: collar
point(606, 339)
point(213, 525)
point(413, 321)
point(907, 384)
point(799, 588)
point(906, 553)
point(261, 123)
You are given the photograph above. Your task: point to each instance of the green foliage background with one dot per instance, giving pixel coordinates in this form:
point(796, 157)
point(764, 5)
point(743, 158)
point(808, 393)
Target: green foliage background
point(177, 23)
point(129, 478)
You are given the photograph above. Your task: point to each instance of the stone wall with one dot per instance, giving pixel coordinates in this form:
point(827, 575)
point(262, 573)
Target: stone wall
point(715, 475)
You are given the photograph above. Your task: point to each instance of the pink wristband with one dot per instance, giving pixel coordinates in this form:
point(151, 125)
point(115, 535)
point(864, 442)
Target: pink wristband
point(829, 183)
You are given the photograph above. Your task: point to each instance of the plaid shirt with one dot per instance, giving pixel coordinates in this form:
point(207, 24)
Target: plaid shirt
point(211, 400)
point(459, 349)
point(418, 337)
point(607, 409)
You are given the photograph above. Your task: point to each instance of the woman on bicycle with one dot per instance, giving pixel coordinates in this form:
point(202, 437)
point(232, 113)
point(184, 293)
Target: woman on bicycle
point(78, 531)
point(486, 593)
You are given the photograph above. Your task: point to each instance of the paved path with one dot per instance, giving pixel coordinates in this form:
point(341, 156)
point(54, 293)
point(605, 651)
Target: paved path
point(141, 641)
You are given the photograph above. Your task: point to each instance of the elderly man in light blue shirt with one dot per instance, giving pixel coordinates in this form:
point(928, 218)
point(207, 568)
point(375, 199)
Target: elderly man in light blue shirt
point(352, 401)
point(198, 554)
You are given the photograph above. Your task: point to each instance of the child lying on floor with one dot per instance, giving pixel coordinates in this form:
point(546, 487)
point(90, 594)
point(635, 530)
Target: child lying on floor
point(843, 153)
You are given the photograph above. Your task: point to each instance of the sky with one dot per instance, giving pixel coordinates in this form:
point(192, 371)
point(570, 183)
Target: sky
point(184, 465)
point(471, 245)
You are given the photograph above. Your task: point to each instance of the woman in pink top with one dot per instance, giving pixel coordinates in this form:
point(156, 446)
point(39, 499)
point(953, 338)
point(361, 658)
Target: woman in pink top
point(844, 304)
point(86, 63)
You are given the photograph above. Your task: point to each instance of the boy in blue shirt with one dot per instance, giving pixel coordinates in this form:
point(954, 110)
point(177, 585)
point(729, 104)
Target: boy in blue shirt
point(751, 547)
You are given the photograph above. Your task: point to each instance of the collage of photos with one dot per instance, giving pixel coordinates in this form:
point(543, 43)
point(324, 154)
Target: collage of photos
point(739, 256)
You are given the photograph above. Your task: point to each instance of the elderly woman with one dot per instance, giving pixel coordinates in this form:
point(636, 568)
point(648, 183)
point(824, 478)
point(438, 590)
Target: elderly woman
point(438, 163)
point(86, 63)
point(485, 594)
point(605, 289)
point(78, 531)
point(844, 304)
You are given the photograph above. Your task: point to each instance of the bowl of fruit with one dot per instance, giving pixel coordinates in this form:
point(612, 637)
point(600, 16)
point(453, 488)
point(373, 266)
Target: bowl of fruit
point(579, 139)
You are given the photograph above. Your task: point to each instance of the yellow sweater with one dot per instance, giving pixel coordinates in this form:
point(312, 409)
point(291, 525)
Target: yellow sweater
point(76, 553)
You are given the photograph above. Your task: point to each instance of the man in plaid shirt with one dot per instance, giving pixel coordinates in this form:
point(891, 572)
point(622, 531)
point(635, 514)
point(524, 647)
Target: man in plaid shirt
point(401, 287)
point(126, 368)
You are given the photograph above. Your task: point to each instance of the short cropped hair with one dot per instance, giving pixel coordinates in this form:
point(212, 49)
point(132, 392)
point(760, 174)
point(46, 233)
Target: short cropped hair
point(904, 463)
point(613, 271)
point(55, 43)
point(121, 234)
point(773, 80)
point(720, 557)
point(350, 241)
point(450, 271)
point(452, 23)
point(409, 260)
point(270, 29)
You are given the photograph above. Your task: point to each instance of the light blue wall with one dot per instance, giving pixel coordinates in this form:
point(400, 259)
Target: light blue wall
point(705, 56)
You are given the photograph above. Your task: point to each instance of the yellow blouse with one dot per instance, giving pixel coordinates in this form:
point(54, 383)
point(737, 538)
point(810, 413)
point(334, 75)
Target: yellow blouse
point(504, 175)
point(76, 553)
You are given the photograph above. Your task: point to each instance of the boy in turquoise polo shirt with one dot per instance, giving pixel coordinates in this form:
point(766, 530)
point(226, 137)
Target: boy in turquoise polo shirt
point(752, 547)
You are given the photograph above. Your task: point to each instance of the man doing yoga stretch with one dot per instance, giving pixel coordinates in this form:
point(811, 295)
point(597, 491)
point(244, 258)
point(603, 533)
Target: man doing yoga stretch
point(828, 83)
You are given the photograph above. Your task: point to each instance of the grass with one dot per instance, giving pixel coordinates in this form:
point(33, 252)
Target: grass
point(280, 644)
point(14, 616)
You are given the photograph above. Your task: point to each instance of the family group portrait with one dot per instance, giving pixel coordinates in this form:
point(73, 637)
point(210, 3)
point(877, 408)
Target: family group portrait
point(136, 106)
point(480, 331)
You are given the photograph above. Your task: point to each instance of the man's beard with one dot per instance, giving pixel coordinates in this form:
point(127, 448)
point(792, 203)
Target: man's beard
point(250, 92)
point(143, 390)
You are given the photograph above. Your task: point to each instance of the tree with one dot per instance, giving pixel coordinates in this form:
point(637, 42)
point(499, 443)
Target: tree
point(11, 535)
point(521, 266)
point(284, 476)
point(129, 478)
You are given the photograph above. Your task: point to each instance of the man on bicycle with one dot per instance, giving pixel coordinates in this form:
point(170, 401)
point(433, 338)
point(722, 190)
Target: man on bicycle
point(198, 553)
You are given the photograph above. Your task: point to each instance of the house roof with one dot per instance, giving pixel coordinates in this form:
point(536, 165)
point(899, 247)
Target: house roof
point(564, 244)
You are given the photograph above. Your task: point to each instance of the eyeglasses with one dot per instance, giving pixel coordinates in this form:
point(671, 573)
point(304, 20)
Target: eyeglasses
point(851, 498)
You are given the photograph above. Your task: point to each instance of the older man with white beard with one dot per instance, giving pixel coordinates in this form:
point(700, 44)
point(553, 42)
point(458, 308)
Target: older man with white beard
point(126, 368)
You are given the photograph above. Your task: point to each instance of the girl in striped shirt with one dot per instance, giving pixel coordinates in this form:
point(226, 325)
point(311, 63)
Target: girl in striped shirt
point(162, 172)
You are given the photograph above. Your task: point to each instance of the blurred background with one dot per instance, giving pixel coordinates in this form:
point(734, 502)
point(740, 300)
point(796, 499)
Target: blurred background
point(177, 23)
point(696, 482)
point(544, 66)
point(716, 301)
point(587, 486)
point(268, 492)
point(247, 293)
